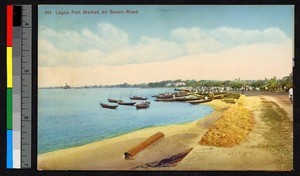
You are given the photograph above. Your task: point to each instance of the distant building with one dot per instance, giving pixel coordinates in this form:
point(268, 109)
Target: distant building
point(179, 84)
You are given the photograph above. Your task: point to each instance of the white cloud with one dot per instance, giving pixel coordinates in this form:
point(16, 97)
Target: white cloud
point(237, 36)
point(105, 38)
point(49, 55)
point(256, 61)
point(109, 45)
point(146, 50)
point(197, 40)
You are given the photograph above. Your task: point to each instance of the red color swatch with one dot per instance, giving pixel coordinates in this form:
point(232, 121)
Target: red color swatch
point(9, 25)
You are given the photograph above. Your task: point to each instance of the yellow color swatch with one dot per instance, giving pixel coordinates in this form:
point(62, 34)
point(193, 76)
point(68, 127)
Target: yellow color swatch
point(9, 65)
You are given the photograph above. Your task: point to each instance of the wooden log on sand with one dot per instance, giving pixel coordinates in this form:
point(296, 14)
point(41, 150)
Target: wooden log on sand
point(141, 146)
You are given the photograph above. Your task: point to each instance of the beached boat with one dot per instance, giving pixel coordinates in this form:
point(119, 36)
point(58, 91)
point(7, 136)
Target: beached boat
point(183, 89)
point(138, 98)
point(143, 105)
point(164, 96)
point(186, 98)
point(114, 100)
point(108, 106)
point(177, 94)
point(127, 103)
point(164, 100)
point(199, 101)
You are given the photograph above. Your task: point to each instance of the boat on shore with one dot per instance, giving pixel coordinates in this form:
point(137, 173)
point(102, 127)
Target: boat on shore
point(180, 98)
point(164, 96)
point(108, 106)
point(127, 103)
point(138, 98)
point(143, 105)
point(164, 100)
point(186, 98)
point(114, 100)
point(199, 101)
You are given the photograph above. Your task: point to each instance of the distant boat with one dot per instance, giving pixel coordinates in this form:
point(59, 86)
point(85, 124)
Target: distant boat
point(114, 100)
point(143, 105)
point(138, 98)
point(127, 103)
point(108, 106)
point(67, 86)
point(199, 101)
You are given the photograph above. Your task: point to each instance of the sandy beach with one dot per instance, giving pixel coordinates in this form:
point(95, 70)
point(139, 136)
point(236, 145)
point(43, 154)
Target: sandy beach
point(257, 152)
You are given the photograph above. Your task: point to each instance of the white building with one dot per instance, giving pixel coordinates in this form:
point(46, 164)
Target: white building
point(179, 84)
point(169, 84)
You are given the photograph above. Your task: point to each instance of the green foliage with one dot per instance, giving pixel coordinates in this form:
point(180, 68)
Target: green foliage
point(258, 83)
point(272, 84)
point(287, 81)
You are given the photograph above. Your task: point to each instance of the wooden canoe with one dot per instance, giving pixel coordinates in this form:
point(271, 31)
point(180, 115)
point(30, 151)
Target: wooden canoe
point(199, 101)
point(144, 105)
point(164, 100)
point(108, 106)
point(114, 100)
point(138, 98)
point(127, 103)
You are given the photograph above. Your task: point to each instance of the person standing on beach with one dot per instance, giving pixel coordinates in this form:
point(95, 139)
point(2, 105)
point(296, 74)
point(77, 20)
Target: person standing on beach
point(291, 94)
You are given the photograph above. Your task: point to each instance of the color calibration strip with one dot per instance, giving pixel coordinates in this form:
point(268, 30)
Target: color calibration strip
point(9, 26)
point(19, 86)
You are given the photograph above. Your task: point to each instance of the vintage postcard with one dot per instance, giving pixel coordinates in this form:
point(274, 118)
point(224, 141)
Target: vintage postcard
point(165, 87)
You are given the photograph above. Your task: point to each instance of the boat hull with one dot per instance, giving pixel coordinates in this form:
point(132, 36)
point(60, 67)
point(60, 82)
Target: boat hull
point(108, 106)
point(199, 101)
point(127, 103)
point(164, 100)
point(138, 98)
point(114, 101)
point(142, 105)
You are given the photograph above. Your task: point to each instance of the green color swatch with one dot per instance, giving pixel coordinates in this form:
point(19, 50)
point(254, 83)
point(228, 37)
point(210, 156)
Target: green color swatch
point(9, 109)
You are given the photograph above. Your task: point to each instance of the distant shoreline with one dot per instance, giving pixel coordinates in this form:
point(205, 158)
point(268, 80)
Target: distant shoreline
point(106, 87)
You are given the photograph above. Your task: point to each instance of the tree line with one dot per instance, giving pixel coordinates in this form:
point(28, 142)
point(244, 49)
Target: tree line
point(268, 84)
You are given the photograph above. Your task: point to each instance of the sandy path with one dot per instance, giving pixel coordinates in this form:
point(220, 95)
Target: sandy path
point(253, 154)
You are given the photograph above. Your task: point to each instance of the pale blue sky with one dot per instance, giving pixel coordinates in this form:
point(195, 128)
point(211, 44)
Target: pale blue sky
point(158, 21)
point(170, 42)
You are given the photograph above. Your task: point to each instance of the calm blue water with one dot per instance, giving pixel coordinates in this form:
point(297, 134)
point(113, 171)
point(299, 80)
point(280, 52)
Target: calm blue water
point(72, 117)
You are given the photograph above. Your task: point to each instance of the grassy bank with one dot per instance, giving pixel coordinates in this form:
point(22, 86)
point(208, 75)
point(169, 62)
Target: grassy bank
point(279, 134)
